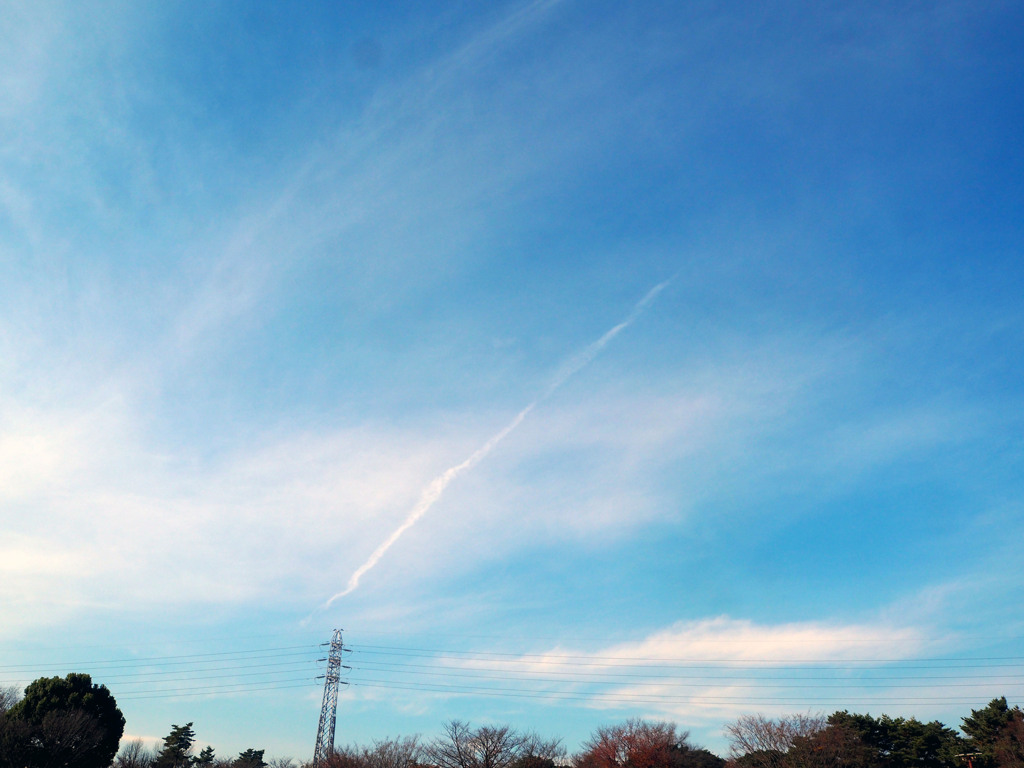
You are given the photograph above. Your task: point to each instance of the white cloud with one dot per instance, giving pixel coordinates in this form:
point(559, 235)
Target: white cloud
point(285, 513)
point(701, 673)
point(723, 640)
point(737, 640)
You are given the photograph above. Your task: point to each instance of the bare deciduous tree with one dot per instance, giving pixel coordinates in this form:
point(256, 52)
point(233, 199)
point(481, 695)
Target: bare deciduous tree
point(764, 741)
point(399, 752)
point(637, 743)
point(486, 747)
point(134, 755)
point(403, 752)
point(545, 749)
point(9, 696)
point(349, 756)
point(70, 738)
point(835, 745)
point(1009, 745)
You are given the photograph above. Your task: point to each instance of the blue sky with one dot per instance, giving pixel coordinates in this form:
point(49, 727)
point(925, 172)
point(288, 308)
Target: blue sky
point(268, 272)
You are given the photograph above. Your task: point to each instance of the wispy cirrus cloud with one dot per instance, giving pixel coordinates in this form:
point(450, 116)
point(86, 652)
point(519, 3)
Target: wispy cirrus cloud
point(432, 494)
point(299, 506)
point(698, 672)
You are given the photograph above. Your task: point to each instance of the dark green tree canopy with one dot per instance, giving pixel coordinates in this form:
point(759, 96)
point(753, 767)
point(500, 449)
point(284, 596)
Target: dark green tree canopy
point(251, 758)
point(900, 741)
point(15, 742)
point(996, 734)
point(695, 757)
point(177, 749)
point(72, 722)
point(983, 726)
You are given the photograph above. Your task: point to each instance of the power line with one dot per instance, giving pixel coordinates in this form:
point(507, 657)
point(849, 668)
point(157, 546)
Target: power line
point(147, 674)
point(389, 666)
point(557, 677)
point(384, 649)
point(653, 699)
point(193, 692)
point(229, 672)
point(599, 679)
point(196, 658)
point(732, 681)
point(796, 664)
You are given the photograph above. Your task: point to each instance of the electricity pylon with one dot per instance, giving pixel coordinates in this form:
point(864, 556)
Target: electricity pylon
point(329, 709)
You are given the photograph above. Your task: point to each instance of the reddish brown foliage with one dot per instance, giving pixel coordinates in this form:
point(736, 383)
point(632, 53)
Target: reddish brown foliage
point(636, 744)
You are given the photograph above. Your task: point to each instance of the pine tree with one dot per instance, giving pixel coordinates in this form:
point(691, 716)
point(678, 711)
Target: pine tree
point(177, 750)
point(993, 734)
point(251, 758)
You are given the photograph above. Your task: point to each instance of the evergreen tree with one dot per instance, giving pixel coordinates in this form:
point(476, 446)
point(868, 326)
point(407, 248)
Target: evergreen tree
point(898, 742)
point(69, 721)
point(251, 758)
point(992, 731)
point(177, 749)
point(983, 725)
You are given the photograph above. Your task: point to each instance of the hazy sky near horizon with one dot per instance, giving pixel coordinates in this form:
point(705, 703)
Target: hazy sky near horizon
point(269, 271)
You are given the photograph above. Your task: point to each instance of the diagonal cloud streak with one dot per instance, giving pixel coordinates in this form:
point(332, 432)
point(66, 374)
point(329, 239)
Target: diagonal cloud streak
point(582, 359)
point(437, 486)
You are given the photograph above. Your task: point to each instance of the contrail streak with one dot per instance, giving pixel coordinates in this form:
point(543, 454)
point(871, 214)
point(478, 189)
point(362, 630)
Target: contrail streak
point(582, 359)
point(430, 495)
point(438, 485)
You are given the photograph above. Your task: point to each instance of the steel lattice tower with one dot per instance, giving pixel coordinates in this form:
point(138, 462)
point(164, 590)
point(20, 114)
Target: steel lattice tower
point(329, 709)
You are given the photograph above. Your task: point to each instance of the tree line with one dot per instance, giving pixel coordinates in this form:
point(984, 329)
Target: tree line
point(72, 723)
